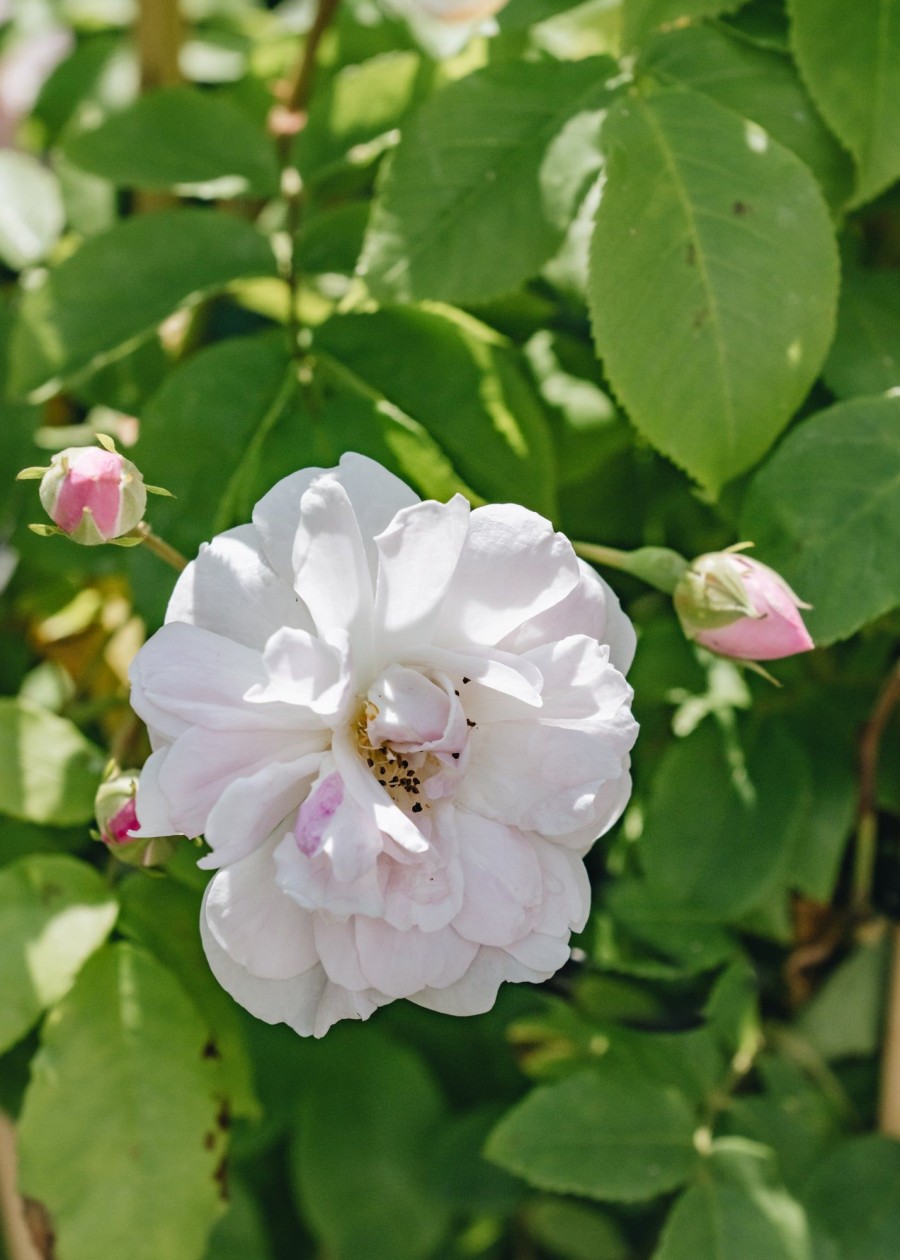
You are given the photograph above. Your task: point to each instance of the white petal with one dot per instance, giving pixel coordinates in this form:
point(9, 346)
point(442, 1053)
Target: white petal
point(230, 588)
point(512, 566)
point(253, 806)
point(336, 944)
point(541, 953)
point(476, 991)
point(503, 882)
point(591, 608)
point(200, 765)
point(151, 804)
point(375, 493)
point(418, 554)
point(400, 963)
point(304, 670)
point(256, 923)
point(311, 882)
point(331, 573)
point(337, 1003)
point(489, 676)
point(567, 890)
point(424, 894)
point(330, 822)
point(184, 676)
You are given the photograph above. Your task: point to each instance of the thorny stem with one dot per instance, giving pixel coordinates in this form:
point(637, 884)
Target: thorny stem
point(159, 546)
point(286, 120)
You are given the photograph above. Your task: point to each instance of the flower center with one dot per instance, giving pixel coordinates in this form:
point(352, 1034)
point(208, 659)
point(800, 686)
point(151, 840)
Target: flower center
point(413, 735)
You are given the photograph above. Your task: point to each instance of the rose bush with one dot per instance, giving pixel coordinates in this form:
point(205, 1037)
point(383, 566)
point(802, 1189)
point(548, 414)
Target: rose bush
point(400, 725)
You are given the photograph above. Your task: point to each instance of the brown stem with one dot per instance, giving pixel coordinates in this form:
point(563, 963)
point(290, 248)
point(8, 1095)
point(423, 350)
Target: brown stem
point(867, 808)
point(16, 1234)
point(866, 842)
point(159, 546)
point(889, 1105)
point(287, 119)
point(159, 34)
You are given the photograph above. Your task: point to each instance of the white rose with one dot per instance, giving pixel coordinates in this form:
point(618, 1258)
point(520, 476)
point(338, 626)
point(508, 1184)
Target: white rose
point(399, 725)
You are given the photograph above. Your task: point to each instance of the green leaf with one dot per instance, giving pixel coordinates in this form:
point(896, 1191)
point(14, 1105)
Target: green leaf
point(699, 214)
point(852, 1198)
point(829, 741)
point(241, 1233)
point(865, 358)
point(641, 17)
point(759, 84)
point(49, 772)
point(31, 210)
point(604, 1133)
point(849, 57)
point(54, 912)
point(361, 1148)
point(575, 1231)
point(164, 917)
point(120, 285)
point(737, 1213)
point(825, 512)
point(846, 1016)
point(485, 416)
point(717, 838)
point(502, 156)
point(661, 937)
point(224, 395)
point(118, 1137)
point(176, 137)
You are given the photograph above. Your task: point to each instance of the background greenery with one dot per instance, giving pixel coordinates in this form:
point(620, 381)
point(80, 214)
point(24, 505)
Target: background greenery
point(633, 265)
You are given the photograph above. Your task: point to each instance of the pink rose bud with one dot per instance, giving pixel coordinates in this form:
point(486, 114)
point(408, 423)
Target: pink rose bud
point(114, 808)
point(740, 608)
point(94, 495)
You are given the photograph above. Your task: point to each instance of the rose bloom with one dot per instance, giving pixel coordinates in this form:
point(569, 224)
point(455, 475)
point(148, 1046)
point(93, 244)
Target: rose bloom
point(399, 725)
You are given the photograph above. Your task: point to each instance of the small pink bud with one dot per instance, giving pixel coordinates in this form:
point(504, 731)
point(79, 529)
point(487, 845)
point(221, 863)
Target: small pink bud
point(117, 819)
point(93, 494)
point(740, 608)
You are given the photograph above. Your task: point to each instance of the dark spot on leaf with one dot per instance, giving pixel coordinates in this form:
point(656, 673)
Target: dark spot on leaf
point(690, 254)
point(40, 1227)
point(211, 1050)
point(740, 208)
point(221, 1177)
point(223, 1119)
point(700, 317)
point(209, 1141)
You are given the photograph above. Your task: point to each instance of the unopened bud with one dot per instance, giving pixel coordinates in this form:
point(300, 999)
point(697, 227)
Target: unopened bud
point(91, 494)
point(740, 608)
point(117, 820)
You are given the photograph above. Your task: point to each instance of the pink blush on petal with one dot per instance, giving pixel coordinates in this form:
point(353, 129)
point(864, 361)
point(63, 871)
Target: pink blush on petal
point(93, 482)
point(123, 822)
point(316, 812)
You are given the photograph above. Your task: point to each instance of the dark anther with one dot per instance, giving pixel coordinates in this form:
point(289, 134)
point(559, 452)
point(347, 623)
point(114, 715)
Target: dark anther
point(417, 808)
point(369, 762)
point(465, 680)
point(455, 692)
point(455, 756)
point(469, 722)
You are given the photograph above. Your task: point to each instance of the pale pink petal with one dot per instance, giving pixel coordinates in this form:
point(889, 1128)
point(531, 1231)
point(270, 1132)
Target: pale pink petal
point(400, 963)
point(185, 676)
point(312, 883)
point(331, 573)
point(418, 554)
point(200, 765)
point(592, 608)
point(306, 671)
point(503, 882)
point(361, 784)
point(155, 809)
point(476, 991)
point(256, 923)
point(231, 589)
point(254, 805)
point(376, 495)
point(513, 565)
